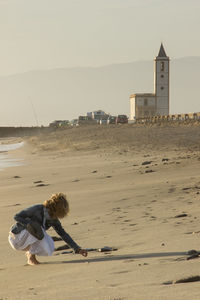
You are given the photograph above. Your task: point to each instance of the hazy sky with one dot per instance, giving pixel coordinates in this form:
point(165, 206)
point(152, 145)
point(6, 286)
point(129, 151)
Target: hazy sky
point(46, 34)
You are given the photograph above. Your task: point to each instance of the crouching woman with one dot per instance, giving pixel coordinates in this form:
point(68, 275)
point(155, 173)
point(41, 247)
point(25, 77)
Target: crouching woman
point(29, 232)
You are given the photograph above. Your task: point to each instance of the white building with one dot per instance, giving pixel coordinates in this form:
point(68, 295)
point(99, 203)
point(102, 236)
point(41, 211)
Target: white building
point(143, 105)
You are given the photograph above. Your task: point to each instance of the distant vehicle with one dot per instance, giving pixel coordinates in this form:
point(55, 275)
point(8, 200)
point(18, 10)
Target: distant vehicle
point(55, 124)
point(64, 123)
point(59, 123)
point(86, 120)
point(103, 121)
point(74, 122)
point(83, 118)
point(112, 120)
point(122, 119)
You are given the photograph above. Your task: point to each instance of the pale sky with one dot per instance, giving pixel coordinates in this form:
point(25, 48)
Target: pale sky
point(47, 34)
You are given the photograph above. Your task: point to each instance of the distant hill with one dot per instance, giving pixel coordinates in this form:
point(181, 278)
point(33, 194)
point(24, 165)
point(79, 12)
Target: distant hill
point(70, 92)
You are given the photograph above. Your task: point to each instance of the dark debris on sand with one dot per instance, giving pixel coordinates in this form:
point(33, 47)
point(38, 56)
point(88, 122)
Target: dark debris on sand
point(184, 280)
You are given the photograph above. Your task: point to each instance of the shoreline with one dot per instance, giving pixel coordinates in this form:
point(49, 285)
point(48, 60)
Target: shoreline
point(7, 147)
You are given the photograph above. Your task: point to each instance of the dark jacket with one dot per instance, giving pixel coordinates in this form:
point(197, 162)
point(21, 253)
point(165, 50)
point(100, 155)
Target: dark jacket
point(36, 213)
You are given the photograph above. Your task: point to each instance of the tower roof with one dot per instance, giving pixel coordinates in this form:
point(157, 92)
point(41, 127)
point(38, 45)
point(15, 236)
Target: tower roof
point(162, 51)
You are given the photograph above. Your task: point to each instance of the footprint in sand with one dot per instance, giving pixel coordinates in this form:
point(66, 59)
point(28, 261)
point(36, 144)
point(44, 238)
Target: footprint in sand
point(165, 159)
point(149, 171)
point(183, 215)
point(146, 162)
point(124, 199)
point(121, 272)
point(16, 204)
point(116, 209)
point(40, 183)
point(171, 190)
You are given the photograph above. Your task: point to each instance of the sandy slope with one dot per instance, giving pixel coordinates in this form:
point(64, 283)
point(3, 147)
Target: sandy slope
point(115, 201)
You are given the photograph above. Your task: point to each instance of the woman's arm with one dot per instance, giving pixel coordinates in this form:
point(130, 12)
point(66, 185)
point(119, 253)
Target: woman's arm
point(82, 252)
point(65, 236)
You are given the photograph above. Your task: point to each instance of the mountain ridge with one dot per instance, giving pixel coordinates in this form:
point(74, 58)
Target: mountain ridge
point(66, 93)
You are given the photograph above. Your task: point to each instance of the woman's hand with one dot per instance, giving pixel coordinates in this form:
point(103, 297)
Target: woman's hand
point(82, 252)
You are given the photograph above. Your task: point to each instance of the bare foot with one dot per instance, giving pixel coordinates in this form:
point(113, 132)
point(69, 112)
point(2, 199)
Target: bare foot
point(31, 259)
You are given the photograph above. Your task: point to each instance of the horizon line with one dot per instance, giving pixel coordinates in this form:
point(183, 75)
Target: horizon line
point(88, 67)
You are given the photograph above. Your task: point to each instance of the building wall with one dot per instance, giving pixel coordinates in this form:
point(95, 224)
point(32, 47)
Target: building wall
point(132, 108)
point(142, 106)
point(145, 106)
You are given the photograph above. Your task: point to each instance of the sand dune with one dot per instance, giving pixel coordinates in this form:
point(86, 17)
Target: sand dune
point(134, 188)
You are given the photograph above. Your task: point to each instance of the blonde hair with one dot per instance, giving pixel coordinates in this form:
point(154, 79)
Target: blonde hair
point(57, 205)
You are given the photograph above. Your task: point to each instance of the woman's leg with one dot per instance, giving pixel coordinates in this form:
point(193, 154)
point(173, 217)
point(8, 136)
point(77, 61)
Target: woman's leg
point(26, 242)
point(44, 247)
point(31, 259)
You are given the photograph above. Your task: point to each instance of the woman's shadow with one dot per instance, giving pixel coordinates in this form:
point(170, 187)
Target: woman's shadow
point(111, 257)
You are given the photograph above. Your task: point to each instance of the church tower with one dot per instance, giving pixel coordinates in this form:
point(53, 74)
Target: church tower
point(161, 82)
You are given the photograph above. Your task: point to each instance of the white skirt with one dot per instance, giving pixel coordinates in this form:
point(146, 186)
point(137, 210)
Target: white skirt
point(22, 240)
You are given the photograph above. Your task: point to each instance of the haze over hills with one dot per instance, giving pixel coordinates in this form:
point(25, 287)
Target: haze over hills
point(44, 96)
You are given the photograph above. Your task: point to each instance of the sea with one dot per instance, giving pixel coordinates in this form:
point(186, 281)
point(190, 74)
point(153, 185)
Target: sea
point(5, 160)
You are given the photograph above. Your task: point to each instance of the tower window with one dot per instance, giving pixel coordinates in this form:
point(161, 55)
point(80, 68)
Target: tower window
point(162, 88)
point(162, 76)
point(162, 66)
point(145, 102)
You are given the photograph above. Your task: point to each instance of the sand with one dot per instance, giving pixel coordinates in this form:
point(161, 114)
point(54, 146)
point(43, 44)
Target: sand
point(127, 187)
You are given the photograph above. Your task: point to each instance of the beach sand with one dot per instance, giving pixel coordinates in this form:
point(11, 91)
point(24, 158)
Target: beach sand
point(127, 187)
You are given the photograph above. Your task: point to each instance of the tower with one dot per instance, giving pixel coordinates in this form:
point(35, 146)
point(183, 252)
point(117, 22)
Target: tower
point(161, 82)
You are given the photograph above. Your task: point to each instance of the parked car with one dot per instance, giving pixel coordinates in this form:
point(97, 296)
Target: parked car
point(59, 123)
point(112, 120)
point(55, 124)
point(74, 122)
point(122, 119)
point(86, 120)
point(103, 121)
